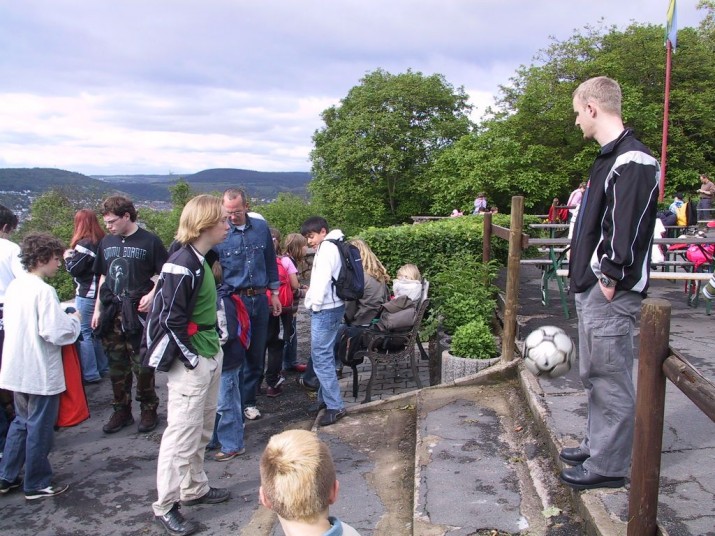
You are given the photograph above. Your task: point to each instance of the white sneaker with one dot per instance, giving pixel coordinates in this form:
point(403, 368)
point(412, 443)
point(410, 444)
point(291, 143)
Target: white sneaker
point(251, 413)
point(49, 491)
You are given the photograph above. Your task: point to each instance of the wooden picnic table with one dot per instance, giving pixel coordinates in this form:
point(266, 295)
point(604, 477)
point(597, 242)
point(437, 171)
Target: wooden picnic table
point(553, 267)
point(422, 219)
point(554, 228)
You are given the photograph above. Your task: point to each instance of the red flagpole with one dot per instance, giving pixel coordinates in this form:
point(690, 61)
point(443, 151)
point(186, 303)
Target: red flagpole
point(666, 111)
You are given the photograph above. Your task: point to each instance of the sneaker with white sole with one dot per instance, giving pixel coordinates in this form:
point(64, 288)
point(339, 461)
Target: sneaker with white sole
point(251, 413)
point(49, 491)
point(6, 486)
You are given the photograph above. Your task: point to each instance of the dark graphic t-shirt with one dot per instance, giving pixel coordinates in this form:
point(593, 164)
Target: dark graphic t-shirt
point(130, 262)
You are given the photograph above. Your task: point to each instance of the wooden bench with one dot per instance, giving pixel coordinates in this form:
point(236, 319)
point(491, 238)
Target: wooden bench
point(694, 282)
point(666, 265)
point(536, 262)
point(410, 341)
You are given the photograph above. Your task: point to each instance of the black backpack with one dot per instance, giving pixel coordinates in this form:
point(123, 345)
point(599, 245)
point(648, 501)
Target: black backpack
point(349, 344)
point(350, 284)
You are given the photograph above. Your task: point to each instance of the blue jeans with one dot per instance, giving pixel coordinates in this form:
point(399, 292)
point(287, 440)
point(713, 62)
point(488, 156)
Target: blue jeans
point(323, 330)
point(309, 374)
point(290, 348)
point(4, 427)
point(275, 346)
point(91, 354)
point(228, 431)
point(252, 370)
point(30, 440)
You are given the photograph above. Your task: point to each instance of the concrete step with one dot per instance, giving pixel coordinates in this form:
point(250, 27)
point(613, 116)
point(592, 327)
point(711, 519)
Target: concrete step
point(483, 467)
point(457, 459)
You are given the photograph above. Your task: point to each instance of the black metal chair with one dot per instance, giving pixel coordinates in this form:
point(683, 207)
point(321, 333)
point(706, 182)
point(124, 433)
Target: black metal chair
point(380, 343)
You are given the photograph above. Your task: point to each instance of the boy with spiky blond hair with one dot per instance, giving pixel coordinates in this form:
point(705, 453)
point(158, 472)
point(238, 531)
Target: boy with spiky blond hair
point(298, 483)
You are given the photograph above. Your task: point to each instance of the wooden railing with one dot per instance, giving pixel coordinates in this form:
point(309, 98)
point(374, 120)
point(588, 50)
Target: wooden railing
point(657, 361)
point(517, 242)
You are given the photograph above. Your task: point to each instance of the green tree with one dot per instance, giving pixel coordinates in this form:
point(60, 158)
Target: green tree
point(529, 144)
point(53, 212)
point(287, 212)
point(370, 157)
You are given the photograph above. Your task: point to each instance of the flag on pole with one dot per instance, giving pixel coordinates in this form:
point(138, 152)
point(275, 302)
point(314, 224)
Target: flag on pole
point(671, 30)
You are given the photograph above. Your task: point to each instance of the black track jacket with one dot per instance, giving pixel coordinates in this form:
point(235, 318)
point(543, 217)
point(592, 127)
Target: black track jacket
point(614, 230)
point(166, 335)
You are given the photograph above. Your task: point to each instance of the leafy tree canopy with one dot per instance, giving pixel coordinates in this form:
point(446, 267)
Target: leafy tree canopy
point(529, 145)
point(370, 157)
point(286, 213)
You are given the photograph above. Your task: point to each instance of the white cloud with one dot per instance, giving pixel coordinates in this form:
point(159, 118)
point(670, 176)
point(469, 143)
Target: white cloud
point(181, 85)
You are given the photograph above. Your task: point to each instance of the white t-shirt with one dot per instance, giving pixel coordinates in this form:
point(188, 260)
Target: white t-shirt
point(36, 327)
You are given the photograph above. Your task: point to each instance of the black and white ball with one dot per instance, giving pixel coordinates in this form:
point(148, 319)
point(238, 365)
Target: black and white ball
point(549, 351)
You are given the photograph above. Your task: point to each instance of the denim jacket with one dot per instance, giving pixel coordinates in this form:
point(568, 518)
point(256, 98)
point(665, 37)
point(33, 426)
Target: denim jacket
point(247, 256)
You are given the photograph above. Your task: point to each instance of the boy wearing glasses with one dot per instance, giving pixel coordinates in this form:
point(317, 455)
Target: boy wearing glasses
point(127, 259)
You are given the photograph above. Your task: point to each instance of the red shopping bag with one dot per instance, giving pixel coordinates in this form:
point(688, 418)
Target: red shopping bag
point(73, 402)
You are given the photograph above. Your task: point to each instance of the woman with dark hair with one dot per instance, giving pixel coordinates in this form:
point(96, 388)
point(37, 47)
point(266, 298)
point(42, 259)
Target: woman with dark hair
point(79, 260)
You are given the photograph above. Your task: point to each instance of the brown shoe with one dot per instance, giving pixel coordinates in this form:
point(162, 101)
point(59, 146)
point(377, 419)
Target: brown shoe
point(119, 419)
point(148, 420)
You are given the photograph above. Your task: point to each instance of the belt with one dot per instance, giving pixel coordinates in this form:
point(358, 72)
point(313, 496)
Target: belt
point(252, 291)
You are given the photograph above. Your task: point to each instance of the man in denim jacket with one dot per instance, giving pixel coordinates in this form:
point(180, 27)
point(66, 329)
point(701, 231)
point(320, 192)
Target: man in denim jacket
point(248, 260)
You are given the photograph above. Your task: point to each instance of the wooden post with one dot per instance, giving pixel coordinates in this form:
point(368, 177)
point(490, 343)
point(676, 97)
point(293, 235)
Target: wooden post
point(650, 408)
point(487, 238)
point(512, 277)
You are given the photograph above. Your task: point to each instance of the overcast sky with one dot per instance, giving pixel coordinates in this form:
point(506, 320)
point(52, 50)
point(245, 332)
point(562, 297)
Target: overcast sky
point(160, 86)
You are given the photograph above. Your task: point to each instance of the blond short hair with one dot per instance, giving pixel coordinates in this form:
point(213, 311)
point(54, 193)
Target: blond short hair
point(409, 271)
point(200, 213)
point(603, 90)
point(297, 475)
point(370, 263)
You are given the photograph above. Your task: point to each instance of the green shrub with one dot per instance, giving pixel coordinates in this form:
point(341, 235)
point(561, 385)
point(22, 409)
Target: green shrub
point(463, 291)
point(430, 245)
point(474, 340)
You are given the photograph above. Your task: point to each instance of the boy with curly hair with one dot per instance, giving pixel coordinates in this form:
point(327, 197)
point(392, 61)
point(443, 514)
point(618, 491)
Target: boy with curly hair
point(36, 327)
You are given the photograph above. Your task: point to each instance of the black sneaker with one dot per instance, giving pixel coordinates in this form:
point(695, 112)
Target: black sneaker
point(6, 486)
point(315, 407)
point(214, 496)
point(175, 524)
point(49, 491)
point(331, 416)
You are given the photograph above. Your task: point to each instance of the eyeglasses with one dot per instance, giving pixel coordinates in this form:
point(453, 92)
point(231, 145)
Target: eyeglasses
point(111, 222)
point(235, 212)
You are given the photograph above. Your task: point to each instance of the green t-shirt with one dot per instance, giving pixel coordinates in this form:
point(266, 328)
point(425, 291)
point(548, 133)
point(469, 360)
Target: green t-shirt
point(206, 342)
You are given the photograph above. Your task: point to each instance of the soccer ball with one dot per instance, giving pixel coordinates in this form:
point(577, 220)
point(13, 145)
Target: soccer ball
point(549, 351)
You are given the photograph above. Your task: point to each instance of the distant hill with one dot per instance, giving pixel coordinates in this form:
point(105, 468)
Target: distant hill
point(42, 179)
point(258, 184)
point(18, 186)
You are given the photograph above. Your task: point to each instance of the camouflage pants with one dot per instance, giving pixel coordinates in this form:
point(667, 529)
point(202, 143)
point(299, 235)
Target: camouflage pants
point(122, 350)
